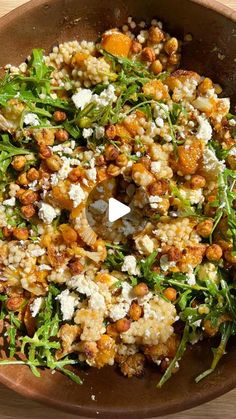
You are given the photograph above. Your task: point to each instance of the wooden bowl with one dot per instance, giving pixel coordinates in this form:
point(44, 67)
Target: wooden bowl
point(43, 24)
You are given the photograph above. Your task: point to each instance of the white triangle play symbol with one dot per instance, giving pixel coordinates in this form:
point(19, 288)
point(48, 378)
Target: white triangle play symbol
point(116, 210)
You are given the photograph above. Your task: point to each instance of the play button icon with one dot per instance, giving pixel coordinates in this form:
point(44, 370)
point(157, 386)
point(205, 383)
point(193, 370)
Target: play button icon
point(116, 210)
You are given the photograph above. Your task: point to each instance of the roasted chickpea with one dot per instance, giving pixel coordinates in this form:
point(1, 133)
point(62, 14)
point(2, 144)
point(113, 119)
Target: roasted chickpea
point(28, 211)
point(59, 116)
point(68, 233)
point(229, 256)
point(76, 267)
point(170, 293)
point(214, 252)
point(75, 174)
point(45, 136)
point(28, 197)
point(44, 152)
point(113, 170)
point(14, 303)
point(204, 228)
point(197, 182)
point(18, 163)
point(54, 163)
point(145, 161)
point(122, 160)
point(100, 161)
point(155, 35)
point(135, 311)
point(122, 325)
point(111, 152)
point(148, 54)
point(171, 46)
point(136, 47)
point(112, 331)
point(7, 232)
point(22, 179)
point(111, 132)
point(209, 329)
point(156, 67)
point(174, 253)
point(20, 233)
point(160, 187)
point(62, 135)
point(32, 174)
point(141, 289)
point(205, 85)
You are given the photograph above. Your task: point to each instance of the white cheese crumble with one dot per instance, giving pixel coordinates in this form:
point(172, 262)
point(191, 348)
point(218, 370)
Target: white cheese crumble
point(68, 302)
point(31, 119)
point(130, 265)
point(100, 206)
point(118, 311)
point(76, 194)
point(47, 213)
point(37, 252)
point(97, 301)
point(11, 202)
point(82, 98)
point(35, 306)
point(154, 200)
point(194, 196)
point(155, 166)
point(45, 267)
point(190, 278)
point(159, 122)
point(87, 132)
point(99, 132)
point(204, 130)
point(83, 285)
point(165, 264)
point(211, 164)
point(91, 174)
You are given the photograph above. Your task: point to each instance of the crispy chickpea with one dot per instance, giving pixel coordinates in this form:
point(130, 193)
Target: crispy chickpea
point(160, 187)
point(197, 182)
point(204, 228)
point(171, 46)
point(45, 136)
point(230, 257)
point(20, 233)
point(122, 325)
point(145, 161)
point(18, 163)
point(32, 174)
point(68, 233)
point(122, 160)
point(205, 85)
point(141, 289)
point(59, 116)
point(100, 161)
point(174, 253)
point(111, 132)
point(22, 179)
point(44, 152)
point(28, 211)
point(148, 54)
point(7, 232)
point(62, 135)
point(75, 174)
point(209, 329)
point(112, 331)
point(14, 303)
point(170, 293)
point(111, 152)
point(76, 267)
point(214, 252)
point(113, 170)
point(135, 311)
point(174, 59)
point(136, 47)
point(54, 163)
point(155, 35)
point(156, 67)
point(28, 197)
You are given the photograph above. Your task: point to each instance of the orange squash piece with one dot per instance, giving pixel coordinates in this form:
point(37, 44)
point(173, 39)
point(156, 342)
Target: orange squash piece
point(116, 43)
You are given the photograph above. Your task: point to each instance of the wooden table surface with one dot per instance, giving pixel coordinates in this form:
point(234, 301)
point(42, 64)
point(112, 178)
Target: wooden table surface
point(14, 406)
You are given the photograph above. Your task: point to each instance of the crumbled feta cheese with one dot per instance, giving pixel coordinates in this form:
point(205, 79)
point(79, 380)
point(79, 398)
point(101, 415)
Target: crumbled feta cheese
point(76, 194)
point(37, 252)
point(211, 164)
point(204, 130)
point(100, 206)
point(194, 196)
point(144, 244)
point(11, 202)
point(91, 174)
point(154, 200)
point(31, 119)
point(159, 122)
point(99, 132)
point(118, 311)
point(35, 306)
point(44, 267)
point(165, 264)
point(106, 97)
point(83, 285)
point(130, 265)
point(190, 278)
point(82, 98)
point(68, 302)
point(232, 122)
point(47, 213)
point(155, 166)
point(97, 301)
point(87, 132)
